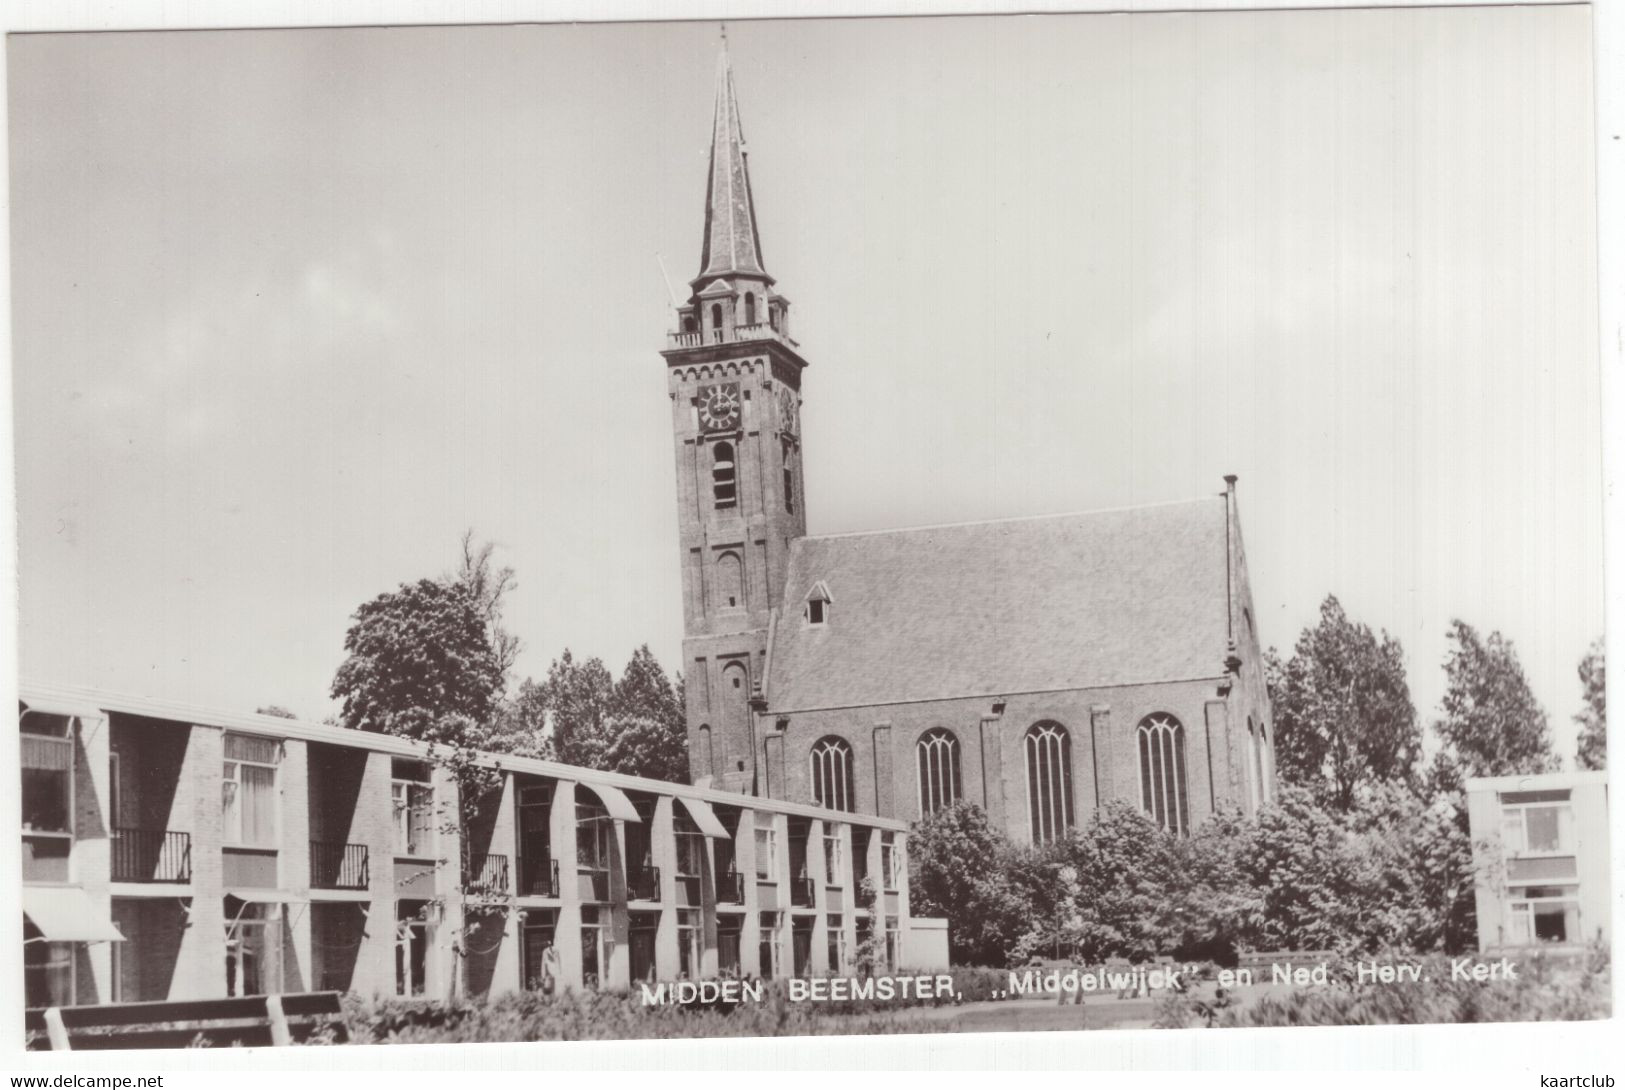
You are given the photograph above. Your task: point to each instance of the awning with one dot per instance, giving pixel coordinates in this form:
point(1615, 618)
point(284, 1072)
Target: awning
point(266, 896)
point(63, 707)
point(704, 817)
point(615, 801)
point(67, 914)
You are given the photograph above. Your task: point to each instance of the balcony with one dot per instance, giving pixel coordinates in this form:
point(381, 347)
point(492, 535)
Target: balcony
point(730, 888)
point(151, 855)
point(801, 892)
point(538, 876)
point(487, 875)
point(760, 331)
point(643, 884)
point(336, 865)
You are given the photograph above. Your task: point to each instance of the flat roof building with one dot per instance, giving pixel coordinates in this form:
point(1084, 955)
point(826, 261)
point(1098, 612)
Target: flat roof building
point(171, 852)
point(1540, 849)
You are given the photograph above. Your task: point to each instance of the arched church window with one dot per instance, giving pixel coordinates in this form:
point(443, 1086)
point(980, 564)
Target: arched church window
point(936, 758)
point(730, 582)
point(1263, 764)
point(750, 308)
point(1049, 781)
point(716, 316)
point(1162, 772)
point(832, 773)
point(690, 325)
point(724, 490)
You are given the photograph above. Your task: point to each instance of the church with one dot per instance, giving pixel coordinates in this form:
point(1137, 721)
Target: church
point(1038, 667)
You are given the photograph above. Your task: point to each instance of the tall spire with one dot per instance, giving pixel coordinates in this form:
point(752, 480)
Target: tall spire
point(732, 245)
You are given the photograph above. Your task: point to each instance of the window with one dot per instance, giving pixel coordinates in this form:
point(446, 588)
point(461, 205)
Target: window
point(1265, 763)
point(595, 834)
point(834, 867)
point(641, 945)
point(835, 937)
point(817, 607)
point(767, 947)
point(750, 308)
point(48, 977)
point(539, 957)
point(254, 949)
point(889, 859)
point(894, 945)
point(690, 847)
point(688, 943)
point(413, 799)
point(411, 947)
point(596, 944)
point(724, 490)
point(1049, 781)
point(1162, 772)
point(936, 758)
point(1255, 766)
point(767, 849)
point(248, 792)
point(47, 767)
point(831, 761)
point(729, 928)
point(816, 612)
point(730, 582)
point(1537, 828)
point(1544, 914)
point(716, 316)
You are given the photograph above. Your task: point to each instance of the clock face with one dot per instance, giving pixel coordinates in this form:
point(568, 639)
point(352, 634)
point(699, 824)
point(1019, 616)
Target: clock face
point(787, 412)
point(719, 406)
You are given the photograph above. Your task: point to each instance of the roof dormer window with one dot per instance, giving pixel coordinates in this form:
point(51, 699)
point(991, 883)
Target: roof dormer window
point(818, 603)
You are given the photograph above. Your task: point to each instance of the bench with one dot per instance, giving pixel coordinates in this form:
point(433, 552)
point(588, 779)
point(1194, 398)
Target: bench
point(249, 1021)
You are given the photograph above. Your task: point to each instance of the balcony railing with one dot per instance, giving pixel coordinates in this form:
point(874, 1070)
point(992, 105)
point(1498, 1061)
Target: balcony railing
point(758, 331)
point(643, 883)
point(151, 855)
point(730, 888)
point(337, 865)
point(487, 875)
point(801, 892)
point(538, 876)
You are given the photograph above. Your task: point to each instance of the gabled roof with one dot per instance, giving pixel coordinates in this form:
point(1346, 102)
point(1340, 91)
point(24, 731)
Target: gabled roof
point(731, 243)
point(1023, 605)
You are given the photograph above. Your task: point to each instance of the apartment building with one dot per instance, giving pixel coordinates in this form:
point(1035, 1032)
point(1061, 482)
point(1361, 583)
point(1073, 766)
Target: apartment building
point(174, 853)
point(1540, 849)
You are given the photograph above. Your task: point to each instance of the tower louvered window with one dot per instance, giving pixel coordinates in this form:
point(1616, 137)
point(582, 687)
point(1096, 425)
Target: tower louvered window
point(1162, 772)
point(832, 774)
point(724, 487)
point(937, 764)
point(1049, 781)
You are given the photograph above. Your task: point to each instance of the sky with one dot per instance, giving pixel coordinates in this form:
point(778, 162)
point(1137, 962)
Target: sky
point(292, 309)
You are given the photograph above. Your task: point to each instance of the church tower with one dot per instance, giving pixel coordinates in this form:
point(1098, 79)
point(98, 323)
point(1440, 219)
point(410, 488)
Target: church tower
point(734, 376)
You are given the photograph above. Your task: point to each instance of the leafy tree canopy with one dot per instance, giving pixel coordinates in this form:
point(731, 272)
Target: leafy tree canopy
point(416, 656)
point(1343, 712)
point(1593, 718)
point(1492, 725)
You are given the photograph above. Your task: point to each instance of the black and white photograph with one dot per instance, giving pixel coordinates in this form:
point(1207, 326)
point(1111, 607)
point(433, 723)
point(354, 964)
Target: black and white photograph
point(802, 527)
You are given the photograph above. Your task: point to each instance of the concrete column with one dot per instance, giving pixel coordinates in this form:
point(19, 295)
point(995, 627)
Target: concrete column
point(92, 862)
point(504, 842)
point(618, 973)
point(849, 894)
point(200, 965)
point(373, 824)
point(903, 910)
point(663, 854)
point(562, 840)
point(293, 863)
point(885, 788)
point(443, 968)
point(819, 963)
point(750, 960)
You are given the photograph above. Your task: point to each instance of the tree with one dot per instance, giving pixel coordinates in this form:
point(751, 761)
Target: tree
point(960, 868)
point(488, 587)
point(647, 731)
point(1343, 712)
point(522, 726)
point(1492, 724)
point(578, 697)
point(417, 655)
point(1593, 718)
